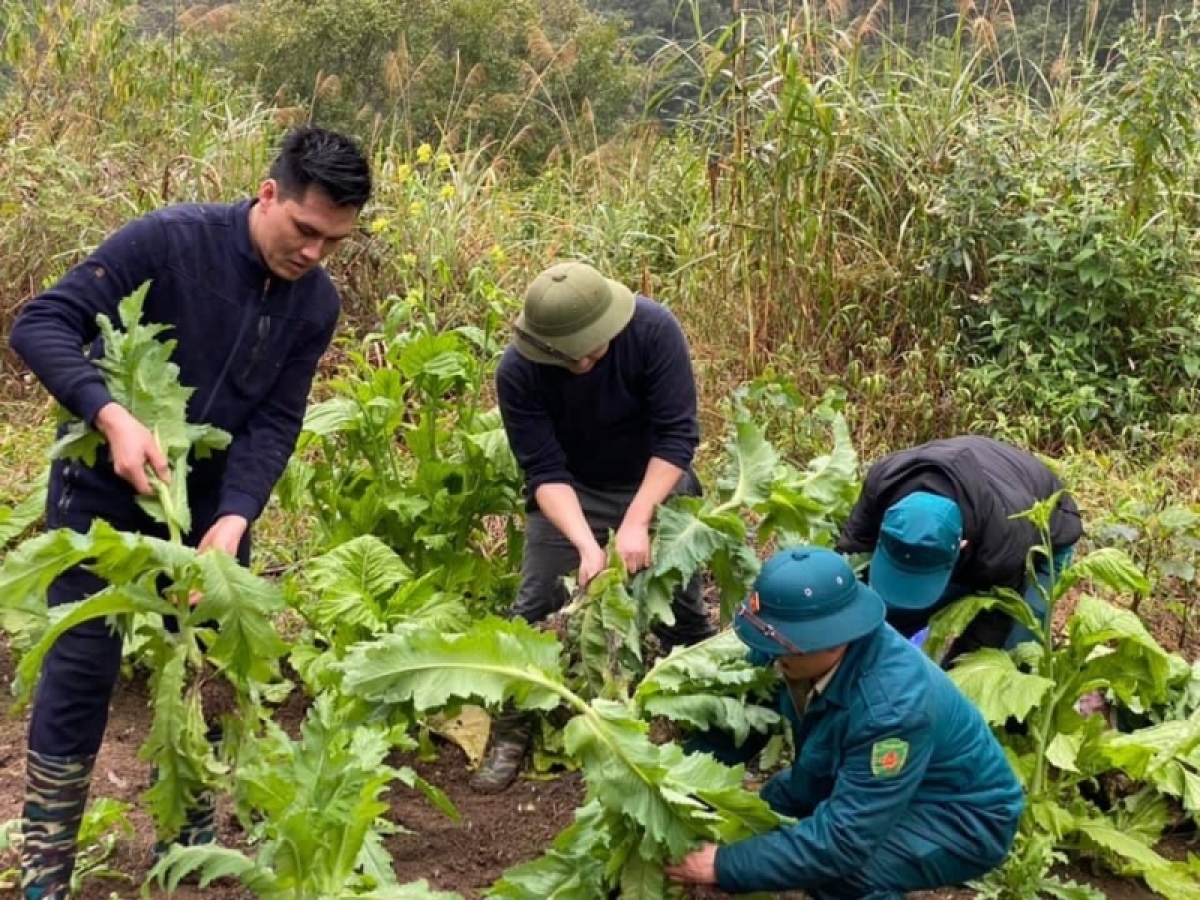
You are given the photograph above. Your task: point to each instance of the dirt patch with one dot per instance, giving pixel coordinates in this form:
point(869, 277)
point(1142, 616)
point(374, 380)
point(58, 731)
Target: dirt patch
point(494, 832)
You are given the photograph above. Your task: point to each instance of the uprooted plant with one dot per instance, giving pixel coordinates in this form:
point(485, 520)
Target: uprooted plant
point(199, 617)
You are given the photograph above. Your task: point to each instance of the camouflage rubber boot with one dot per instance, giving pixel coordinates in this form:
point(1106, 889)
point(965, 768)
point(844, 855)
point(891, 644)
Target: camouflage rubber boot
point(56, 791)
point(200, 826)
point(511, 735)
point(198, 829)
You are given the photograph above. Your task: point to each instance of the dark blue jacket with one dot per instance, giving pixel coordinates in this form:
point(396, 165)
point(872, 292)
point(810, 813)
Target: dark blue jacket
point(248, 343)
point(946, 780)
point(600, 429)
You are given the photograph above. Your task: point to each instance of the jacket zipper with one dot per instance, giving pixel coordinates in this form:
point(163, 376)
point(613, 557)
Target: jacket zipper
point(263, 332)
point(64, 500)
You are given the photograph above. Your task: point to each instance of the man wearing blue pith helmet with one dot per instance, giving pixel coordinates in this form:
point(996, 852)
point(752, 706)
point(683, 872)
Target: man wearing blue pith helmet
point(898, 784)
point(942, 520)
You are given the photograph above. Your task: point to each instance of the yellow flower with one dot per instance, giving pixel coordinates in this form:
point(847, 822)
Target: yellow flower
point(443, 161)
point(379, 225)
point(497, 255)
point(403, 173)
point(424, 154)
point(416, 208)
point(409, 260)
point(447, 192)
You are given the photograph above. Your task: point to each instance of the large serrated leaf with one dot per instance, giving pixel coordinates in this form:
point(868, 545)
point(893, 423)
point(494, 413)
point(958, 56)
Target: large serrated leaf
point(347, 588)
point(994, 684)
point(1111, 646)
point(710, 684)
point(754, 461)
point(642, 879)
point(675, 798)
point(107, 603)
point(497, 661)
point(1109, 567)
point(246, 647)
point(803, 506)
point(140, 376)
point(683, 542)
point(949, 623)
point(211, 863)
point(1171, 880)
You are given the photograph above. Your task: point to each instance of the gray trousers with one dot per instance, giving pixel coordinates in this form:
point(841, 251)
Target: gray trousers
point(549, 556)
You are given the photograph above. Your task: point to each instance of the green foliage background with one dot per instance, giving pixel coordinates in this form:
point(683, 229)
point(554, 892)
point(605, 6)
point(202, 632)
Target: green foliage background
point(955, 216)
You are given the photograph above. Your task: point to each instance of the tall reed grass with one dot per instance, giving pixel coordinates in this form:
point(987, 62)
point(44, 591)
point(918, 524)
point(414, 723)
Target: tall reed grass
point(837, 209)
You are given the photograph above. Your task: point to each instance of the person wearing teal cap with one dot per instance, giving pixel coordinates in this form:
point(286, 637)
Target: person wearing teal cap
point(898, 785)
point(942, 520)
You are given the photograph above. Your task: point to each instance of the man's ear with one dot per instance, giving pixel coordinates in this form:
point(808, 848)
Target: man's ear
point(268, 192)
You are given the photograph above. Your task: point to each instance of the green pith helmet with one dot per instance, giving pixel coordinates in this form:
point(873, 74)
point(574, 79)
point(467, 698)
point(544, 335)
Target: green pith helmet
point(570, 311)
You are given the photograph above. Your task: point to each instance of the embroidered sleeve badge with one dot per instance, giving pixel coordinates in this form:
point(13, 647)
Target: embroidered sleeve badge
point(888, 757)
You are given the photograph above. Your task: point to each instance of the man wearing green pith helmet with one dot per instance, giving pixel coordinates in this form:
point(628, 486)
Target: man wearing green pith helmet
point(898, 785)
point(598, 399)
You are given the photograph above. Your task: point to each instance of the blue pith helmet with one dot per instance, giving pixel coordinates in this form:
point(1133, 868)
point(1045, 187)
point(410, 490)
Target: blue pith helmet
point(810, 597)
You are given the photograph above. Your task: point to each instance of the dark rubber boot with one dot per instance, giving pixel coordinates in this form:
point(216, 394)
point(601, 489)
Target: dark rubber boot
point(56, 791)
point(200, 826)
point(199, 829)
point(509, 744)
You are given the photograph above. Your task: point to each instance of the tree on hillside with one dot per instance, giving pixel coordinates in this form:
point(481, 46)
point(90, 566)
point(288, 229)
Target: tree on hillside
point(648, 23)
point(548, 71)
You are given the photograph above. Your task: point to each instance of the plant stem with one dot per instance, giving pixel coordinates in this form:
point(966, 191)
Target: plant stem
point(164, 497)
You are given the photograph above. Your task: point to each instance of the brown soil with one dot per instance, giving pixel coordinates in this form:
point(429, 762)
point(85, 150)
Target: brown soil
point(494, 832)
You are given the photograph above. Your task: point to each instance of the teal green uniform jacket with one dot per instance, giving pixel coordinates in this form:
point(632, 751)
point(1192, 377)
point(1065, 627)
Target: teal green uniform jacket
point(897, 779)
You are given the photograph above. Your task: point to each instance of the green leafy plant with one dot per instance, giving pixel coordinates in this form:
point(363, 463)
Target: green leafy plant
point(757, 496)
point(1164, 541)
point(314, 808)
point(1059, 751)
point(358, 590)
point(140, 376)
point(405, 451)
point(645, 804)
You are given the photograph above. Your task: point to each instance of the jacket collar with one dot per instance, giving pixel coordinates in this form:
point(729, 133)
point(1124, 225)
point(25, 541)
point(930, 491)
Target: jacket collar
point(248, 259)
point(840, 689)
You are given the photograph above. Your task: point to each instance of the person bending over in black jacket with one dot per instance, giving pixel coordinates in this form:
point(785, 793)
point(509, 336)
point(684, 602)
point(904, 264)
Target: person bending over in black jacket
point(939, 522)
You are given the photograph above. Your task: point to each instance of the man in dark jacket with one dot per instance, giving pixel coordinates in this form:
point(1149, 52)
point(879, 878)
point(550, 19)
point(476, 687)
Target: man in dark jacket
point(599, 404)
point(940, 522)
point(899, 785)
point(243, 293)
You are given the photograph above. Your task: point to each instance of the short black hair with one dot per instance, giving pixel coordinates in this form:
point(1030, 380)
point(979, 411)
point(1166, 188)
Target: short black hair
point(333, 162)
